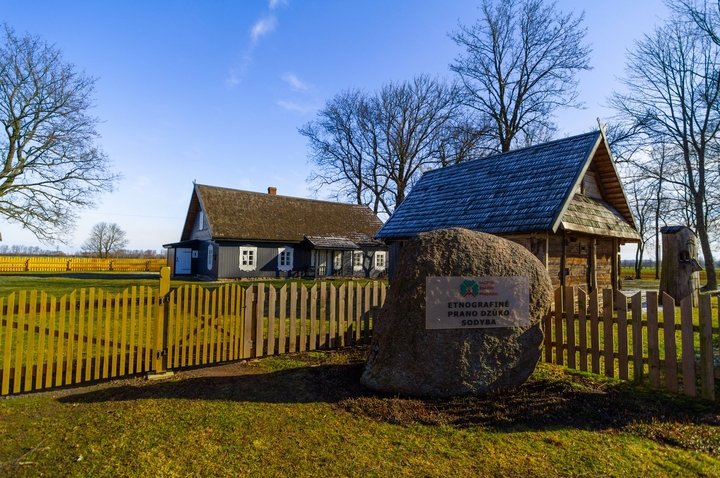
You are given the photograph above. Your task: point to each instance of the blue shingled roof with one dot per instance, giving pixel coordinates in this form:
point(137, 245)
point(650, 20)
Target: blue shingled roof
point(518, 191)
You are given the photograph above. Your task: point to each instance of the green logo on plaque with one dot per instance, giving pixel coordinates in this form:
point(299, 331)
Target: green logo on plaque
point(469, 288)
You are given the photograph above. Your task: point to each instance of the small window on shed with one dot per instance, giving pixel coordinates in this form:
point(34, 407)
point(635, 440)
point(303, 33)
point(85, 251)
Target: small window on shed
point(201, 221)
point(248, 258)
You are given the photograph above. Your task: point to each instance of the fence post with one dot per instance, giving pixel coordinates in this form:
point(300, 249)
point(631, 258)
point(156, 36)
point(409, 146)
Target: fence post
point(160, 356)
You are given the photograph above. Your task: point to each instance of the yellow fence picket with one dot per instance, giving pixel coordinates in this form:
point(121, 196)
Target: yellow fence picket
point(89, 349)
point(72, 306)
point(594, 312)
point(272, 297)
point(40, 362)
point(293, 317)
point(259, 320)
point(313, 318)
point(366, 314)
point(323, 315)
point(671, 378)
point(688, 346)
point(608, 348)
point(622, 335)
point(115, 346)
point(358, 313)
point(7, 342)
point(211, 322)
point(60, 342)
point(282, 339)
point(30, 352)
point(205, 321)
point(582, 329)
point(707, 377)
point(637, 340)
point(348, 326)
point(108, 325)
point(19, 343)
point(652, 339)
point(341, 317)
point(332, 341)
point(50, 352)
point(548, 335)
point(569, 307)
point(80, 332)
point(247, 336)
point(149, 309)
point(303, 317)
point(123, 334)
point(559, 305)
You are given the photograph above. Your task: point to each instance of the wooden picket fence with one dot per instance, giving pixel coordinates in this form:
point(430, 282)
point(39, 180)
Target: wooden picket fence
point(91, 335)
point(610, 333)
point(78, 264)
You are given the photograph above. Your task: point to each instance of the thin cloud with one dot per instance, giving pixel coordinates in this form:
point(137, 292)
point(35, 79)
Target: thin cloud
point(296, 107)
point(262, 27)
point(273, 4)
point(294, 82)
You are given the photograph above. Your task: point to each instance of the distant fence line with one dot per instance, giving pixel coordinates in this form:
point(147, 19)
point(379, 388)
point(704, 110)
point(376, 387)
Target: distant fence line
point(90, 334)
point(78, 264)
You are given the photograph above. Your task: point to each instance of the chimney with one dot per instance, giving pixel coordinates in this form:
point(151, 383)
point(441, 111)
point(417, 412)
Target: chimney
point(272, 190)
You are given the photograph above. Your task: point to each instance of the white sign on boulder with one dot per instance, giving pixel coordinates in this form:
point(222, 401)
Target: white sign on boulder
point(476, 302)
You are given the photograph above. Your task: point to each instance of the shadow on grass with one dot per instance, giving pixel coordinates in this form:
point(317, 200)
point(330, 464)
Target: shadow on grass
point(554, 402)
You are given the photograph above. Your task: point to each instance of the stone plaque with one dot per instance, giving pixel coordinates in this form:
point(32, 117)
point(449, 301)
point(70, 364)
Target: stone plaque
point(476, 302)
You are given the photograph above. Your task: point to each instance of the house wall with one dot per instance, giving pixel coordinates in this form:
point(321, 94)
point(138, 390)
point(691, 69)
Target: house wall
point(267, 260)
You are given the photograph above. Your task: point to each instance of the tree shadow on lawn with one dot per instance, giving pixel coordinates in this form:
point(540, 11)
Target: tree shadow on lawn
point(557, 401)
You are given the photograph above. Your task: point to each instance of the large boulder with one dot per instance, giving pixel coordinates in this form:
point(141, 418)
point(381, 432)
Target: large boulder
point(407, 358)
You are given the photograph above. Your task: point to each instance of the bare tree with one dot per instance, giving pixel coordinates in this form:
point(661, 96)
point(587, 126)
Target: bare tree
point(519, 66)
point(371, 147)
point(673, 98)
point(106, 239)
point(51, 164)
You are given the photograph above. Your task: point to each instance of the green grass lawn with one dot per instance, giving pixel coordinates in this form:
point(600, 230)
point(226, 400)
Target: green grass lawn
point(307, 415)
point(59, 283)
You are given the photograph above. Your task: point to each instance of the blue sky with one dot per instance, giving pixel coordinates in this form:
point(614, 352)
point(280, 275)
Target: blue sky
point(214, 91)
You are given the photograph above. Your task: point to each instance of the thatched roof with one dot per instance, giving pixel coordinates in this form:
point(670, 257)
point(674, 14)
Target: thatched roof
point(522, 191)
point(244, 215)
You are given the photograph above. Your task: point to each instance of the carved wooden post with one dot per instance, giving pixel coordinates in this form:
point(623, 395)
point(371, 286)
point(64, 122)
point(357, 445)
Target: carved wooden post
point(679, 275)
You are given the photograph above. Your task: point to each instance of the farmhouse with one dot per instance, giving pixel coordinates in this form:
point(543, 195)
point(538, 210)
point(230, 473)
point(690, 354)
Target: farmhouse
point(233, 234)
point(562, 200)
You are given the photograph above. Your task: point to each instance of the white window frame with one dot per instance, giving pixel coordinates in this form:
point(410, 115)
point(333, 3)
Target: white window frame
point(285, 258)
point(251, 263)
point(361, 255)
point(337, 260)
point(210, 257)
point(380, 255)
point(201, 221)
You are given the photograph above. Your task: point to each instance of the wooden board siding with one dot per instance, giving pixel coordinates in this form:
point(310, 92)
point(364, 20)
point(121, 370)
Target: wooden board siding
point(578, 251)
point(229, 261)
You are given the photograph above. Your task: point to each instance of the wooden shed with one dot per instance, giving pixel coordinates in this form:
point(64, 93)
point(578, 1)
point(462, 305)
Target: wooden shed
point(562, 200)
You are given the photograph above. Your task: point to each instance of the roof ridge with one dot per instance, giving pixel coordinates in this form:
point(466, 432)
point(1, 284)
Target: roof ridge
point(259, 193)
point(515, 151)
